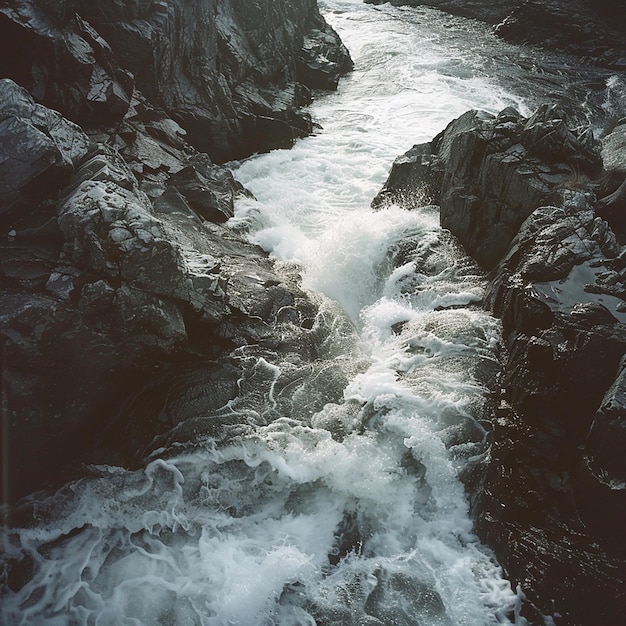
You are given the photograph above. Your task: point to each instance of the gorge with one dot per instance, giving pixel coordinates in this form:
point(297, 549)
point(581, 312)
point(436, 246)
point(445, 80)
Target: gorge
point(235, 393)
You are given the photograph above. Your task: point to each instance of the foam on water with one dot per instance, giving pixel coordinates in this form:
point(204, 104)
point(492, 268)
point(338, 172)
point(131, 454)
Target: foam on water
point(350, 510)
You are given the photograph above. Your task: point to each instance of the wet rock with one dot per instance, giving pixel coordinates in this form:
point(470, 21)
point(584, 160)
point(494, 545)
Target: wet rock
point(490, 173)
point(321, 61)
point(39, 150)
point(519, 194)
point(415, 179)
point(117, 289)
point(233, 74)
point(209, 190)
point(63, 62)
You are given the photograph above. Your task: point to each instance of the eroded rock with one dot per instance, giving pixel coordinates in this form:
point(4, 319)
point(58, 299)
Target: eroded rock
point(113, 322)
point(519, 195)
point(63, 62)
point(490, 173)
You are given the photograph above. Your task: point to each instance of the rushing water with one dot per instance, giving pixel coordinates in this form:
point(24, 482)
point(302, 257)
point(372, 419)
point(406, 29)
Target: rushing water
point(352, 512)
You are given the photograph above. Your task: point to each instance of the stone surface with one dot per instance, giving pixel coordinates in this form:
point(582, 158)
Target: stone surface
point(232, 73)
point(38, 151)
point(63, 62)
point(490, 173)
point(122, 290)
point(519, 195)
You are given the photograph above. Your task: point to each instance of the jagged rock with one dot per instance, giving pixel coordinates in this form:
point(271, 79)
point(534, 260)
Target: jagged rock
point(118, 289)
point(415, 179)
point(321, 62)
point(39, 151)
point(232, 73)
point(518, 193)
point(209, 190)
point(490, 173)
point(63, 62)
point(564, 346)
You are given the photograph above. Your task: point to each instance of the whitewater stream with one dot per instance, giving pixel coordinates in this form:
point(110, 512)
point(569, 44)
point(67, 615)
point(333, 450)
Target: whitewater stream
point(353, 513)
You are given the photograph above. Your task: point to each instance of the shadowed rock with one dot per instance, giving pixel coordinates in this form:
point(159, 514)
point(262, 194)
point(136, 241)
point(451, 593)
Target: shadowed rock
point(490, 173)
point(123, 296)
point(63, 62)
point(519, 195)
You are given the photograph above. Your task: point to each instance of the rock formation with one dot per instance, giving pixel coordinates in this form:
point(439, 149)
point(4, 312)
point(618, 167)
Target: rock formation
point(124, 295)
point(234, 74)
point(520, 195)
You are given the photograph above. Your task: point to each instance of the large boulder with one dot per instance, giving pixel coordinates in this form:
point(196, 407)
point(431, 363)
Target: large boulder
point(233, 73)
point(39, 150)
point(63, 62)
point(124, 295)
point(565, 337)
point(490, 173)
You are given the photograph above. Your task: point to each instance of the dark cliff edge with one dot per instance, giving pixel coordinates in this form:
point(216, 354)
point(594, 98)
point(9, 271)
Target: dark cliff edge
point(128, 309)
point(521, 195)
point(232, 73)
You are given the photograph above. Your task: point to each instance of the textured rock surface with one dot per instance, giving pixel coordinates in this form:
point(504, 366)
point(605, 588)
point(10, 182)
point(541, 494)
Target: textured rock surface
point(129, 314)
point(591, 29)
point(490, 173)
point(234, 74)
point(519, 195)
point(64, 63)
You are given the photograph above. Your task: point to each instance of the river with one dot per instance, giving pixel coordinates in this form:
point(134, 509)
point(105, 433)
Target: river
point(355, 513)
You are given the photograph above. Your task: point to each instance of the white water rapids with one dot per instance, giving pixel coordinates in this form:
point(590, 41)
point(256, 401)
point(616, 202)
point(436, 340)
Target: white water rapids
point(354, 515)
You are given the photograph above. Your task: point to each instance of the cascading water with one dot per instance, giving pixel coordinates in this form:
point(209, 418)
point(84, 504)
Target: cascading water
point(340, 502)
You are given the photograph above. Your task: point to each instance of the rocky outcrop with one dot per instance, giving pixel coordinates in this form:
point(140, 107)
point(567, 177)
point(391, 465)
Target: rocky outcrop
point(519, 193)
point(234, 74)
point(130, 313)
point(591, 29)
point(514, 166)
point(64, 63)
point(128, 290)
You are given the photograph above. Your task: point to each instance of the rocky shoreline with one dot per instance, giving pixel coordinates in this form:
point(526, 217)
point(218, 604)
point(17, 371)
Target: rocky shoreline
point(592, 30)
point(120, 282)
point(125, 297)
point(521, 195)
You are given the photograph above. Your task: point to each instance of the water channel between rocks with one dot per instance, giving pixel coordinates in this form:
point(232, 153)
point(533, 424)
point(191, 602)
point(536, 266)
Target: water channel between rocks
point(350, 512)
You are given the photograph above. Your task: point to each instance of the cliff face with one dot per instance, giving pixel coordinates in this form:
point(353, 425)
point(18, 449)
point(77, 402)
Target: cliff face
point(234, 74)
point(123, 292)
point(521, 196)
